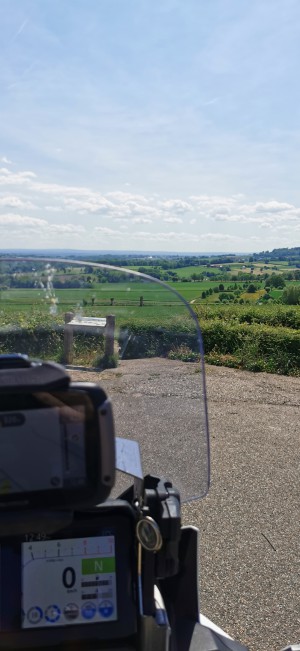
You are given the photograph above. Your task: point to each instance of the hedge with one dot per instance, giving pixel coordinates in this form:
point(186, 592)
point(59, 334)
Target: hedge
point(254, 347)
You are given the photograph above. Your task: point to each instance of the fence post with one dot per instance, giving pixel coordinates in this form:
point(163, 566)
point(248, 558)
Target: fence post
point(68, 339)
point(109, 335)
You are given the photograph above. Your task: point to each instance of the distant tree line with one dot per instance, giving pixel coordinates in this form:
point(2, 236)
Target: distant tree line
point(291, 255)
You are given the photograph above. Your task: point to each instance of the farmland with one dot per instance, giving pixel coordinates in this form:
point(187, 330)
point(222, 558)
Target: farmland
point(248, 312)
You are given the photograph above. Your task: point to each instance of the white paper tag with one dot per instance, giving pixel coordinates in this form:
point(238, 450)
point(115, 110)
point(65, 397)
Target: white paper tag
point(128, 457)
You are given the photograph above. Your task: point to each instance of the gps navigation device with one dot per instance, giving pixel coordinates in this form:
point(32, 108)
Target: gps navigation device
point(57, 444)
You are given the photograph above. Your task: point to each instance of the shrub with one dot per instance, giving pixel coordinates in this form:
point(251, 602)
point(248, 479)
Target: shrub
point(107, 361)
point(265, 337)
point(291, 295)
point(255, 347)
point(184, 354)
point(148, 340)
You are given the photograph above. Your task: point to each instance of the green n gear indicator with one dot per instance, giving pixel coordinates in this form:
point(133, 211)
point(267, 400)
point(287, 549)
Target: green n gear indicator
point(98, 565)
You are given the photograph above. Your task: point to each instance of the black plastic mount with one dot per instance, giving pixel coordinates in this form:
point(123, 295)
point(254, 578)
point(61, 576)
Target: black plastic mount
point(19, 374)
point(162, 503)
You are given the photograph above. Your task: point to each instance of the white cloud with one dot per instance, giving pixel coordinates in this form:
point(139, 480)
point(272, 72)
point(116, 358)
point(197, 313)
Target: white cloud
point(221, 237)
point(233, 217)
point(20, 29)
point(176, 206)
point(272, 207)
point(103, 230)
point(65, 228)
point(184, 236)
point(124, 197)
point(266, 225)
point(141, 220)
point(15, 202)
point(19, 178)
point(209, 102)
point(53, 208)
point(5, 160)
point(172, 220)
point(95, 204)
point(40, 226)
point(21, 220)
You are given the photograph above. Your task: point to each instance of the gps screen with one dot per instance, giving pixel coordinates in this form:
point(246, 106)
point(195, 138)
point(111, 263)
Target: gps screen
point(51, 449)
point(70, 581)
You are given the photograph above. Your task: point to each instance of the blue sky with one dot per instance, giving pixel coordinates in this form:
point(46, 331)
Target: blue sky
point(150, 124)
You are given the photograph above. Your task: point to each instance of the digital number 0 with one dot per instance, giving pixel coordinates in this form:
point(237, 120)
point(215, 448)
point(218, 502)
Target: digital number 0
point(69, 577)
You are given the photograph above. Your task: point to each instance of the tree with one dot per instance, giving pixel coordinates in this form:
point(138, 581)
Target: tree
point(251, 289)
point(221, 287)
point(276, 280)
point(291, 295)
point(203, 295)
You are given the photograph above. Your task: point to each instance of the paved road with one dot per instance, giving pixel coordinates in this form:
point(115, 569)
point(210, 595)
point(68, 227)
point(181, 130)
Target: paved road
point(249, 522)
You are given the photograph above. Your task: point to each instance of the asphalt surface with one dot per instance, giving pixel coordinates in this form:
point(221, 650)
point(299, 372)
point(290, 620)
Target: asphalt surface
point(249, 522)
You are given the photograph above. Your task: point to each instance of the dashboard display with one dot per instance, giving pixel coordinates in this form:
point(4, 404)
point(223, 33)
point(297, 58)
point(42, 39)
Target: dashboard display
point(69, 581)
point(51, 449)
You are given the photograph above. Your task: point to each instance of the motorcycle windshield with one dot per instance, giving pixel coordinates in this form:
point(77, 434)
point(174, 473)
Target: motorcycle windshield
point(134, 335)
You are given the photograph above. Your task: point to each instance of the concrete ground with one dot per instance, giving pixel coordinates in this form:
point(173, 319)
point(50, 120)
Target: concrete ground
point(249, 522)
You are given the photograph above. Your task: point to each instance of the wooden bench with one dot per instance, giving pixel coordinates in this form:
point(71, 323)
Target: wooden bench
point(94, 325)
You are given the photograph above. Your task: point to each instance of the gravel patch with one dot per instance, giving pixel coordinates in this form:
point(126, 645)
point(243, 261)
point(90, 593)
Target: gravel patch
point(249, 522)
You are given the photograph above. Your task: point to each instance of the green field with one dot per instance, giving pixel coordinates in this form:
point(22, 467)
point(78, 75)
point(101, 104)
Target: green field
point(184, 272)
point(260, 268)
point(123, 293)
point(97, 302)
point(20, 305)
point(240, 328)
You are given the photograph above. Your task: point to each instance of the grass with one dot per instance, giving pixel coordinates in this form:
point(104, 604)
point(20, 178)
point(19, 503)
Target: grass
point(123, 293)
point(188, 271)
point(254, 296)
